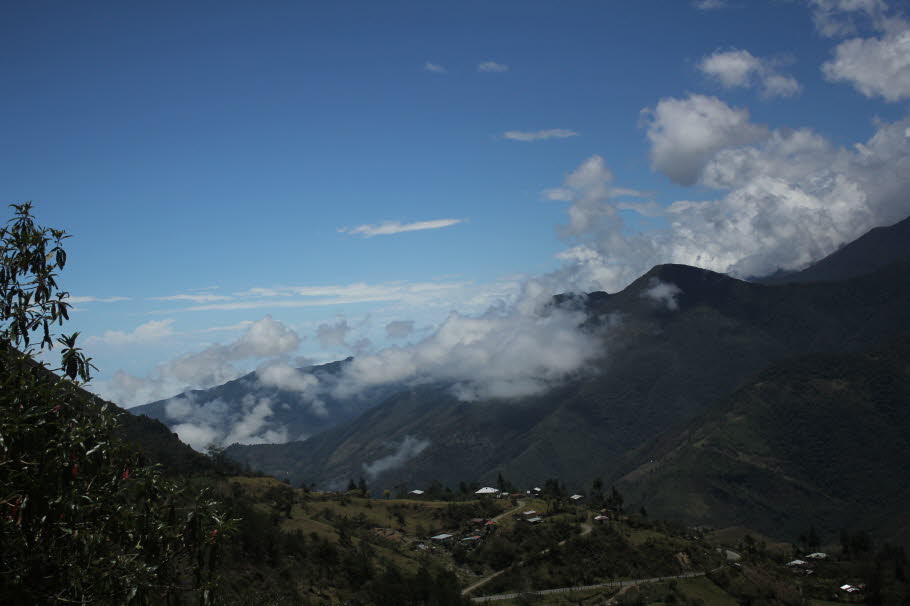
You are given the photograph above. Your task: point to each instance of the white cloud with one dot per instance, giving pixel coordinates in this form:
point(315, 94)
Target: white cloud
point(539, 135)
point(664, 293)
point(686, 133)
point(433, 67)
point(492, 66)
point(399, 329)
point(789, 199)
point(875, 66)
point(409, 448)
point(143, 334)
point(740, 68)
point(387, 228)
point(263, 339)
point(588, 186)
point(777, 85)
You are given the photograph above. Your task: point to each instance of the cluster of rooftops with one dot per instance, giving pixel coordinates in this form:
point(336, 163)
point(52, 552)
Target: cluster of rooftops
point(490, 491)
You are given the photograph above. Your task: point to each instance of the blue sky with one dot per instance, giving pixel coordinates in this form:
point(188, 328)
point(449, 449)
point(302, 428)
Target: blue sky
point(239, 156)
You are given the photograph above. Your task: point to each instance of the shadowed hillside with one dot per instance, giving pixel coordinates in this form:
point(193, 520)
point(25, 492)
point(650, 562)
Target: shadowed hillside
point(819, 440)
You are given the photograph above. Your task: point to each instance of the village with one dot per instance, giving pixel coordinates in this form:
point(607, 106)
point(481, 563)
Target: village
point(524, 546)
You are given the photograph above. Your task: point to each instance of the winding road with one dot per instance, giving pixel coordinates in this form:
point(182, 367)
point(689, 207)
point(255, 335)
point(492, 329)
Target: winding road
point(614, 584)
point(586, 528)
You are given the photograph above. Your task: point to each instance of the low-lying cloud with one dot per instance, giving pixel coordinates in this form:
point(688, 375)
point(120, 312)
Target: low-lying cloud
point(664, 293)
point(409, 448)
point(214, 365)
point(217, 422)
point(509, 352)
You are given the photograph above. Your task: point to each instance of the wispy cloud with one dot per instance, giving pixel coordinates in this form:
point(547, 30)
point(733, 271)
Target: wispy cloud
point(421, 294)
point(79, 300)
point(409, 448)
point(197, 298)
point(492, 66)
point(387, 228)
point(709, 5)
point(434, 67)
point(149, 332)
point(242, 325)
point(539, 135)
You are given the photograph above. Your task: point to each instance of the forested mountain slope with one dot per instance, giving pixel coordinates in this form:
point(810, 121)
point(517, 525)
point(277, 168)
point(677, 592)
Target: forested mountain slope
point(818, 440)
point(663, 366)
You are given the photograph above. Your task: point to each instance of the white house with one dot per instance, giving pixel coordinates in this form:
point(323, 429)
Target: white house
point(487, 490)
point(818, 555)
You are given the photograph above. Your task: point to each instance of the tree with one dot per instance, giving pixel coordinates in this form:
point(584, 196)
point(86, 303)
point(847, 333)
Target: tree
point(615, 500)
point(82, 517)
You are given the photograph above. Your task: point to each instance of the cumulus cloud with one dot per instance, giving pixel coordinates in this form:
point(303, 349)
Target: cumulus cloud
point(506, 352)
point(399, 329)
point(875, 66)
point(214, 365)
point(664, 293)
point(492, 66)
point(740, 68)
point(787, 199)
point(433, 67)
point(539, 135)
point(409, 448)
point(143, 334)
point(387, 228)
point(262, 339)
point(216, 422)
point(686, 133)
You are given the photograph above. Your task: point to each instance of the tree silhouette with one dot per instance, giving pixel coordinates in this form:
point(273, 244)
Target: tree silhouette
point(82, 518)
